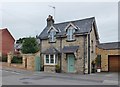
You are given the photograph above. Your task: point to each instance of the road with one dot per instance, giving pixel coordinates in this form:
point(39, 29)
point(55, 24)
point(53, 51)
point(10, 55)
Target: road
point(12, 76)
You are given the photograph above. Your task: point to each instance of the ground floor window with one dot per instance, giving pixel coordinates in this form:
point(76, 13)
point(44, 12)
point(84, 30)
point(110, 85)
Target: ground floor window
point(47, 58)
point(50, 59)
point(98, 61)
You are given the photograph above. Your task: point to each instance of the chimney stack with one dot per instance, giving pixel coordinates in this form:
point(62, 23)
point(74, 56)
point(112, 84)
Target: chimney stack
point(50, 20)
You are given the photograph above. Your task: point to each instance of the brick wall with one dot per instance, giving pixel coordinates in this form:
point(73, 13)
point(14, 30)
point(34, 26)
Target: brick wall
point(0, 43)
point(7, 42)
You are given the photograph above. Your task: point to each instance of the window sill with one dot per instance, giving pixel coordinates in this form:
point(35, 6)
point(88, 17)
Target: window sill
point(50, 64)
point(71, 40)
point(52, 42)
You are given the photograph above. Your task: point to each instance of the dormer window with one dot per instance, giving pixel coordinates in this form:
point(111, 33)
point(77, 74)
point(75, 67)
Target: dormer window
point(52, 37)
point(70, 32)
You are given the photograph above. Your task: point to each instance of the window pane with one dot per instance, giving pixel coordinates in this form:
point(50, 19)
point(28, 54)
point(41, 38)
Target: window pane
point(47, 58)
point(99, 60)
point(51, 59)
point(70, 34)
point(56, 59)
point(52, 36)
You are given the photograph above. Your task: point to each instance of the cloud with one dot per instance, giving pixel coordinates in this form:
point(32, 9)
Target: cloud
point(29, 18)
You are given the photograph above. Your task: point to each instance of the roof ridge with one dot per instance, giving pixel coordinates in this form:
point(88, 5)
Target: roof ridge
point(3, 28)
point(74, 20)
point(110, 42)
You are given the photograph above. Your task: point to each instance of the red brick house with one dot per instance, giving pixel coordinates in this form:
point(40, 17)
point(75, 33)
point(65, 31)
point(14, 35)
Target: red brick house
point(6, 42)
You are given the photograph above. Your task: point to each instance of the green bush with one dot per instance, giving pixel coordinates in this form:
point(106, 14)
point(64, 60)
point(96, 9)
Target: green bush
point(16, 59)
point(4, 58)
point(57, 68)
point(30, 45)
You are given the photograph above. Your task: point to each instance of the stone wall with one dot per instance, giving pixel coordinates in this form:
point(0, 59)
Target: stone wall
point(79, 62)
point(104, 57)
point(29, 61)
point(17, 66)
point(49, 68)
point(9, 64)
point(80, 53)
point(92, 46)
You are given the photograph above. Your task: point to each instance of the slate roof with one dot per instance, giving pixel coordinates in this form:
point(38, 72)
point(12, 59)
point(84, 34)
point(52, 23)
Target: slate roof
point(70, 49)
point(109, 46)
point(83, 25)
point(51, 50)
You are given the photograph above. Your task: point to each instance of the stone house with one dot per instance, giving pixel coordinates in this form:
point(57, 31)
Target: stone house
point(110, 56)
point(6, 42)
point(71, 45)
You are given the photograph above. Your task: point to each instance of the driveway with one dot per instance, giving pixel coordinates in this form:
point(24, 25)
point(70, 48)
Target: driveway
point(12, 76)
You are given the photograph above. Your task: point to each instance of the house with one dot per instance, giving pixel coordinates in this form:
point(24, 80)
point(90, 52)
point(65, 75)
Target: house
point(6, 42)
point(18, 48)
point(109, 54)
point(71, 45)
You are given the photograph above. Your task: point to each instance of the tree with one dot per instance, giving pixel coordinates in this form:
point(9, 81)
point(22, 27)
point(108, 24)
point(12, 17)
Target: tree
point(30, 45)
point(20, 40)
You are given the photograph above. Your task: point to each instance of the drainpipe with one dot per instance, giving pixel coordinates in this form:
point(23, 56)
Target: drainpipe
point(84, 53)
point(40, 53)
point(61, 53)
point(89, 54)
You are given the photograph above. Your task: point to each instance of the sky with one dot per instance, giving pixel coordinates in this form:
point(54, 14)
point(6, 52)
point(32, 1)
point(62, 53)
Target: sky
point(24, 19)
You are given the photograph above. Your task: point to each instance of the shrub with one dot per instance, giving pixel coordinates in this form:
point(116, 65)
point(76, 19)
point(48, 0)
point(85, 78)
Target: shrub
point(30, 45)
point(4, 58)
point(57, 68)
point(16, 59)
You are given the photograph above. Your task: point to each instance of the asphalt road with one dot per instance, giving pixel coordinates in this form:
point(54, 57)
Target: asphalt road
point(11, 76)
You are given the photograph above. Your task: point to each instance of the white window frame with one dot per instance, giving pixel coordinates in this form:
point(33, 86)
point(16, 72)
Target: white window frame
point(70, 32)
point(52, 37)
point(54, 57)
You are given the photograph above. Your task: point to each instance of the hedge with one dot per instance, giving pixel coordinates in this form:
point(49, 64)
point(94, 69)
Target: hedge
point(4, 58)
point(16, 59)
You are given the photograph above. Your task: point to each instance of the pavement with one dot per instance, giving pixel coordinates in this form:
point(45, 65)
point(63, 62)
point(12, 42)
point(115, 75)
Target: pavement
point(13, 76)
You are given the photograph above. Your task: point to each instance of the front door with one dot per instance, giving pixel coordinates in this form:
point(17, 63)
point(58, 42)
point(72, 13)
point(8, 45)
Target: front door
point(71, 60)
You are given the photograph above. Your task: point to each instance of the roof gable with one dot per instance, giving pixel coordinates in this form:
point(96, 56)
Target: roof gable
point(95, 30)
point(52, 28)
point(6, 30)
point(70, 24)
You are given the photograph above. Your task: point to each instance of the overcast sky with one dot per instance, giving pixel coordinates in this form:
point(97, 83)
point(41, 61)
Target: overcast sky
point(24, 19)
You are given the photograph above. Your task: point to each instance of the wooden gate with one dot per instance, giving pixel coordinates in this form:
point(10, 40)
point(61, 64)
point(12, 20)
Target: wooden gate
point(37, 63)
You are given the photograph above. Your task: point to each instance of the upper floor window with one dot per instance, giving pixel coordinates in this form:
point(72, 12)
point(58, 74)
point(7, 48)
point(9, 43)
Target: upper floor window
point(52, 37)
point(70, 32)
